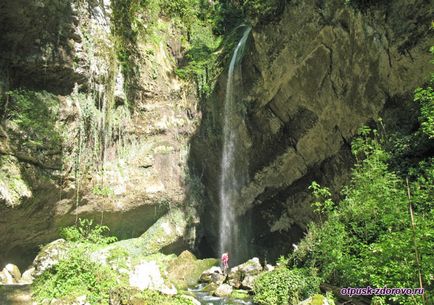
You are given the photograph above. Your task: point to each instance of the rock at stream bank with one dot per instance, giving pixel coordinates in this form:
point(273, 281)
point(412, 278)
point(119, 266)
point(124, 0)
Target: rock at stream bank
point(147, 275)
point(223, 290)
point(213, 275)
point(244, 275)
point(132, 296)
point(186, 270)
point(316, 299)
point(240, 277)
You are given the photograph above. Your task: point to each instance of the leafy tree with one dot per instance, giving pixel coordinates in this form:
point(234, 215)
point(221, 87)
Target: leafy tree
point(369, 239)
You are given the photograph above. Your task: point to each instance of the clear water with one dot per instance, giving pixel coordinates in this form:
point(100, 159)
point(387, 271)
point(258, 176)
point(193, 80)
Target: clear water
point(231, 177)
point(206, 299)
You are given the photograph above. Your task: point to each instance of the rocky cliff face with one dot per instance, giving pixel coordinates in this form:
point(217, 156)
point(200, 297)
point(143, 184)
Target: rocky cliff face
point(311, 78)
point(86, 132)
point(94, 124)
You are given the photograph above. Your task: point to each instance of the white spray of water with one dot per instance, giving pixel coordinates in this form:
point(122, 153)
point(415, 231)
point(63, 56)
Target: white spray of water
point(229, 181)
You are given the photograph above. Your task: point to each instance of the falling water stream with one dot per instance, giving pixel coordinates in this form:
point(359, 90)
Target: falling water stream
point(231, 175)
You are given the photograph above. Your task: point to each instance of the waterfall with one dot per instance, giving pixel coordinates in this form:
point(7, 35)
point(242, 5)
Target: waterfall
point(231, 176)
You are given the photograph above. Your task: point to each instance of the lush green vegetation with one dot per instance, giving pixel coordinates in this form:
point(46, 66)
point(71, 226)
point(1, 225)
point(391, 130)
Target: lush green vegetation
point(284, 286)
point(36, 114)
point(261, 11)
point(76, 275)
point(363, 4)
point(149, 297)
point(368, 238)
point(208, 30)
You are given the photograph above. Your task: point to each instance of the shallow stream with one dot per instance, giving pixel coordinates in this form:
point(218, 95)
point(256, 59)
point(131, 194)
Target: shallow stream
point(207, 299)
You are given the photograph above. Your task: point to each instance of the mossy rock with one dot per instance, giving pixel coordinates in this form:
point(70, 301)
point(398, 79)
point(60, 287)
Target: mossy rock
point(162, 260)
point(316, 299)
point(211, 287)
point(239, 294)
point(186, 269)
point(166, 231)
point(130, 296)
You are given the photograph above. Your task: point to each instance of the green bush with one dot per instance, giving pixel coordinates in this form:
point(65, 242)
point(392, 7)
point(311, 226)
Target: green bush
point(87, 233)
point(201, 57)
point(76, 275)
point(368, 239)
point(186, 10)
point(283, 286)
point(263, 11)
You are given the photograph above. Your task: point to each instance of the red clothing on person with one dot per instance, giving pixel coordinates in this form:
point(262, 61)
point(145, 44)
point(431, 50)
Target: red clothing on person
point(225, 260)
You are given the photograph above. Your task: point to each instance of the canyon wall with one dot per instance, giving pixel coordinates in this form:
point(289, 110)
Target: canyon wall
point(87, 131)
point(311, 78)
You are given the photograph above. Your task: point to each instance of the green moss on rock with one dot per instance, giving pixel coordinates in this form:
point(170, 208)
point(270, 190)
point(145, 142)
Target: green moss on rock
point(239, 294)
point(186, 269)
point(129, 296)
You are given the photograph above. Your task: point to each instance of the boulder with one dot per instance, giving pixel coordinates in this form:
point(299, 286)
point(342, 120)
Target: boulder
point(251, 267)
point(14, 271)
point(235, 278)
point(211, 287)
point(240, 294)
point(243, 275)
point(6, 278)
point(223, 290)
point(213, 275)
point(191, 299)
point(168, 231)
point(147, 275)
point(268, 267)
point(316, 299)
point(186, 269)
point(27, 277)
point(49, 256)
point(248, 282)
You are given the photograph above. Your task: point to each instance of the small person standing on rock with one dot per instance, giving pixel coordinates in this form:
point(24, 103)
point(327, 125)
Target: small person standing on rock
point(225, 260)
